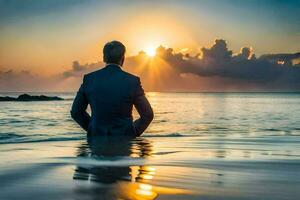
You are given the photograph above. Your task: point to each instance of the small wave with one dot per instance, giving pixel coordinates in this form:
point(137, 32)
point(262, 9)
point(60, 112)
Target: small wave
point(165, 152)
point(166, 135)
point(270, 129)
point(166, 112)
point(4, 136)
point(59, 139)
point(14, 121)
point(218, 128)
point(159, 121)
point(52, 124)
point(24, 139)
point(154, 131)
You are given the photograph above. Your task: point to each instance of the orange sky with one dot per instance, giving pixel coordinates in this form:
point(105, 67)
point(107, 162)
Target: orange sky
point(45, 37)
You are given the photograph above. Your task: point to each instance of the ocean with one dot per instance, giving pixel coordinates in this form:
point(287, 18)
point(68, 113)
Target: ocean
point(199, 146)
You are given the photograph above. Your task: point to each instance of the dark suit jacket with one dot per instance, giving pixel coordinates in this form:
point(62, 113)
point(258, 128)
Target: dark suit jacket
point(111, 94)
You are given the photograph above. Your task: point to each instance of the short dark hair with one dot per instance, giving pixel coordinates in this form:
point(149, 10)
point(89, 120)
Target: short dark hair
point(113, 52)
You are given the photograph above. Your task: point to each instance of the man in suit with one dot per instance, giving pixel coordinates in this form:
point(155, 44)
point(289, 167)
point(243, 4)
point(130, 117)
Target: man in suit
point(111, 94)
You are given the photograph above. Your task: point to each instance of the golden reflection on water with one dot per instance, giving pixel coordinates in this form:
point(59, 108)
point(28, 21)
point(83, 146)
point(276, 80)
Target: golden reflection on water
point(124, 181)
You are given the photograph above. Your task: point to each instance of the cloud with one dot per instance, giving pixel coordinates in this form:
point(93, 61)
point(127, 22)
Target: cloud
point(215, 68)
point(268, 71)
point(21, 81)
point(78, 70)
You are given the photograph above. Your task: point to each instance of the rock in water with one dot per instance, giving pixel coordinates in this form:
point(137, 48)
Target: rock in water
point(7, 99)
point(27, 97)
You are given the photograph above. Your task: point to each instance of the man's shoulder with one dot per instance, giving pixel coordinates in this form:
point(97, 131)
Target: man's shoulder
point(131, 76)
point(93, 73)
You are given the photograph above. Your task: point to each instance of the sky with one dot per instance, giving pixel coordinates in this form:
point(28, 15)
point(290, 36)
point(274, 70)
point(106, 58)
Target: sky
point(42, 39)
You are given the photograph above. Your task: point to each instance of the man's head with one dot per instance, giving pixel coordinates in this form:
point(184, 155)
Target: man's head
point(114, 53)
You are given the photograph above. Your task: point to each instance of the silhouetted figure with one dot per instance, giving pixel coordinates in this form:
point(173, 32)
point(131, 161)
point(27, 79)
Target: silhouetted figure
point(111, 94)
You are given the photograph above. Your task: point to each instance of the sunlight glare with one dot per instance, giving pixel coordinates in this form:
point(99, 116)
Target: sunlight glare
point(150, 51)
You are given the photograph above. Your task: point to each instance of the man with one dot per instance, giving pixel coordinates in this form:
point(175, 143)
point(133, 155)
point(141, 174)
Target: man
point(111, 94)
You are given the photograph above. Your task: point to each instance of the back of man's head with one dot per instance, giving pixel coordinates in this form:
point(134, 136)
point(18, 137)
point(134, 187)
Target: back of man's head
point(114, 53)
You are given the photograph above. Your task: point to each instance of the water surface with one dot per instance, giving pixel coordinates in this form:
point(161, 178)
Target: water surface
point(199, 146)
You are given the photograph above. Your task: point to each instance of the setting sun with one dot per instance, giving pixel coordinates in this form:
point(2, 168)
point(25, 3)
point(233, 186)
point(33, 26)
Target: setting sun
point(150, 51)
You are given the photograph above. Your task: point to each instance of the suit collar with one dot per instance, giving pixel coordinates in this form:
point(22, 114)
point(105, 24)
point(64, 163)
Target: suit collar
point(113, 66)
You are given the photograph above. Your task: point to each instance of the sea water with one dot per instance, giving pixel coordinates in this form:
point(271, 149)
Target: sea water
point(199, 146)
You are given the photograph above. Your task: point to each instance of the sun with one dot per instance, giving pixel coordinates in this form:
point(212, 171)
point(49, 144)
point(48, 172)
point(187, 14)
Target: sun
point(150, 51)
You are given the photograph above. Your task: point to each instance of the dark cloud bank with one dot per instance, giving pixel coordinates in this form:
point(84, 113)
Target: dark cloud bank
point(273, 71)
point(215, 69)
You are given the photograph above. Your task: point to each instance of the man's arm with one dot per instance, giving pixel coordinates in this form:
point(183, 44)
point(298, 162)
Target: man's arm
point(144, 109)
point(78, 111)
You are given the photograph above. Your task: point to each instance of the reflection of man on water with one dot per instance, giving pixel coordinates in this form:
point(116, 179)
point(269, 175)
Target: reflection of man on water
point(117, 179)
